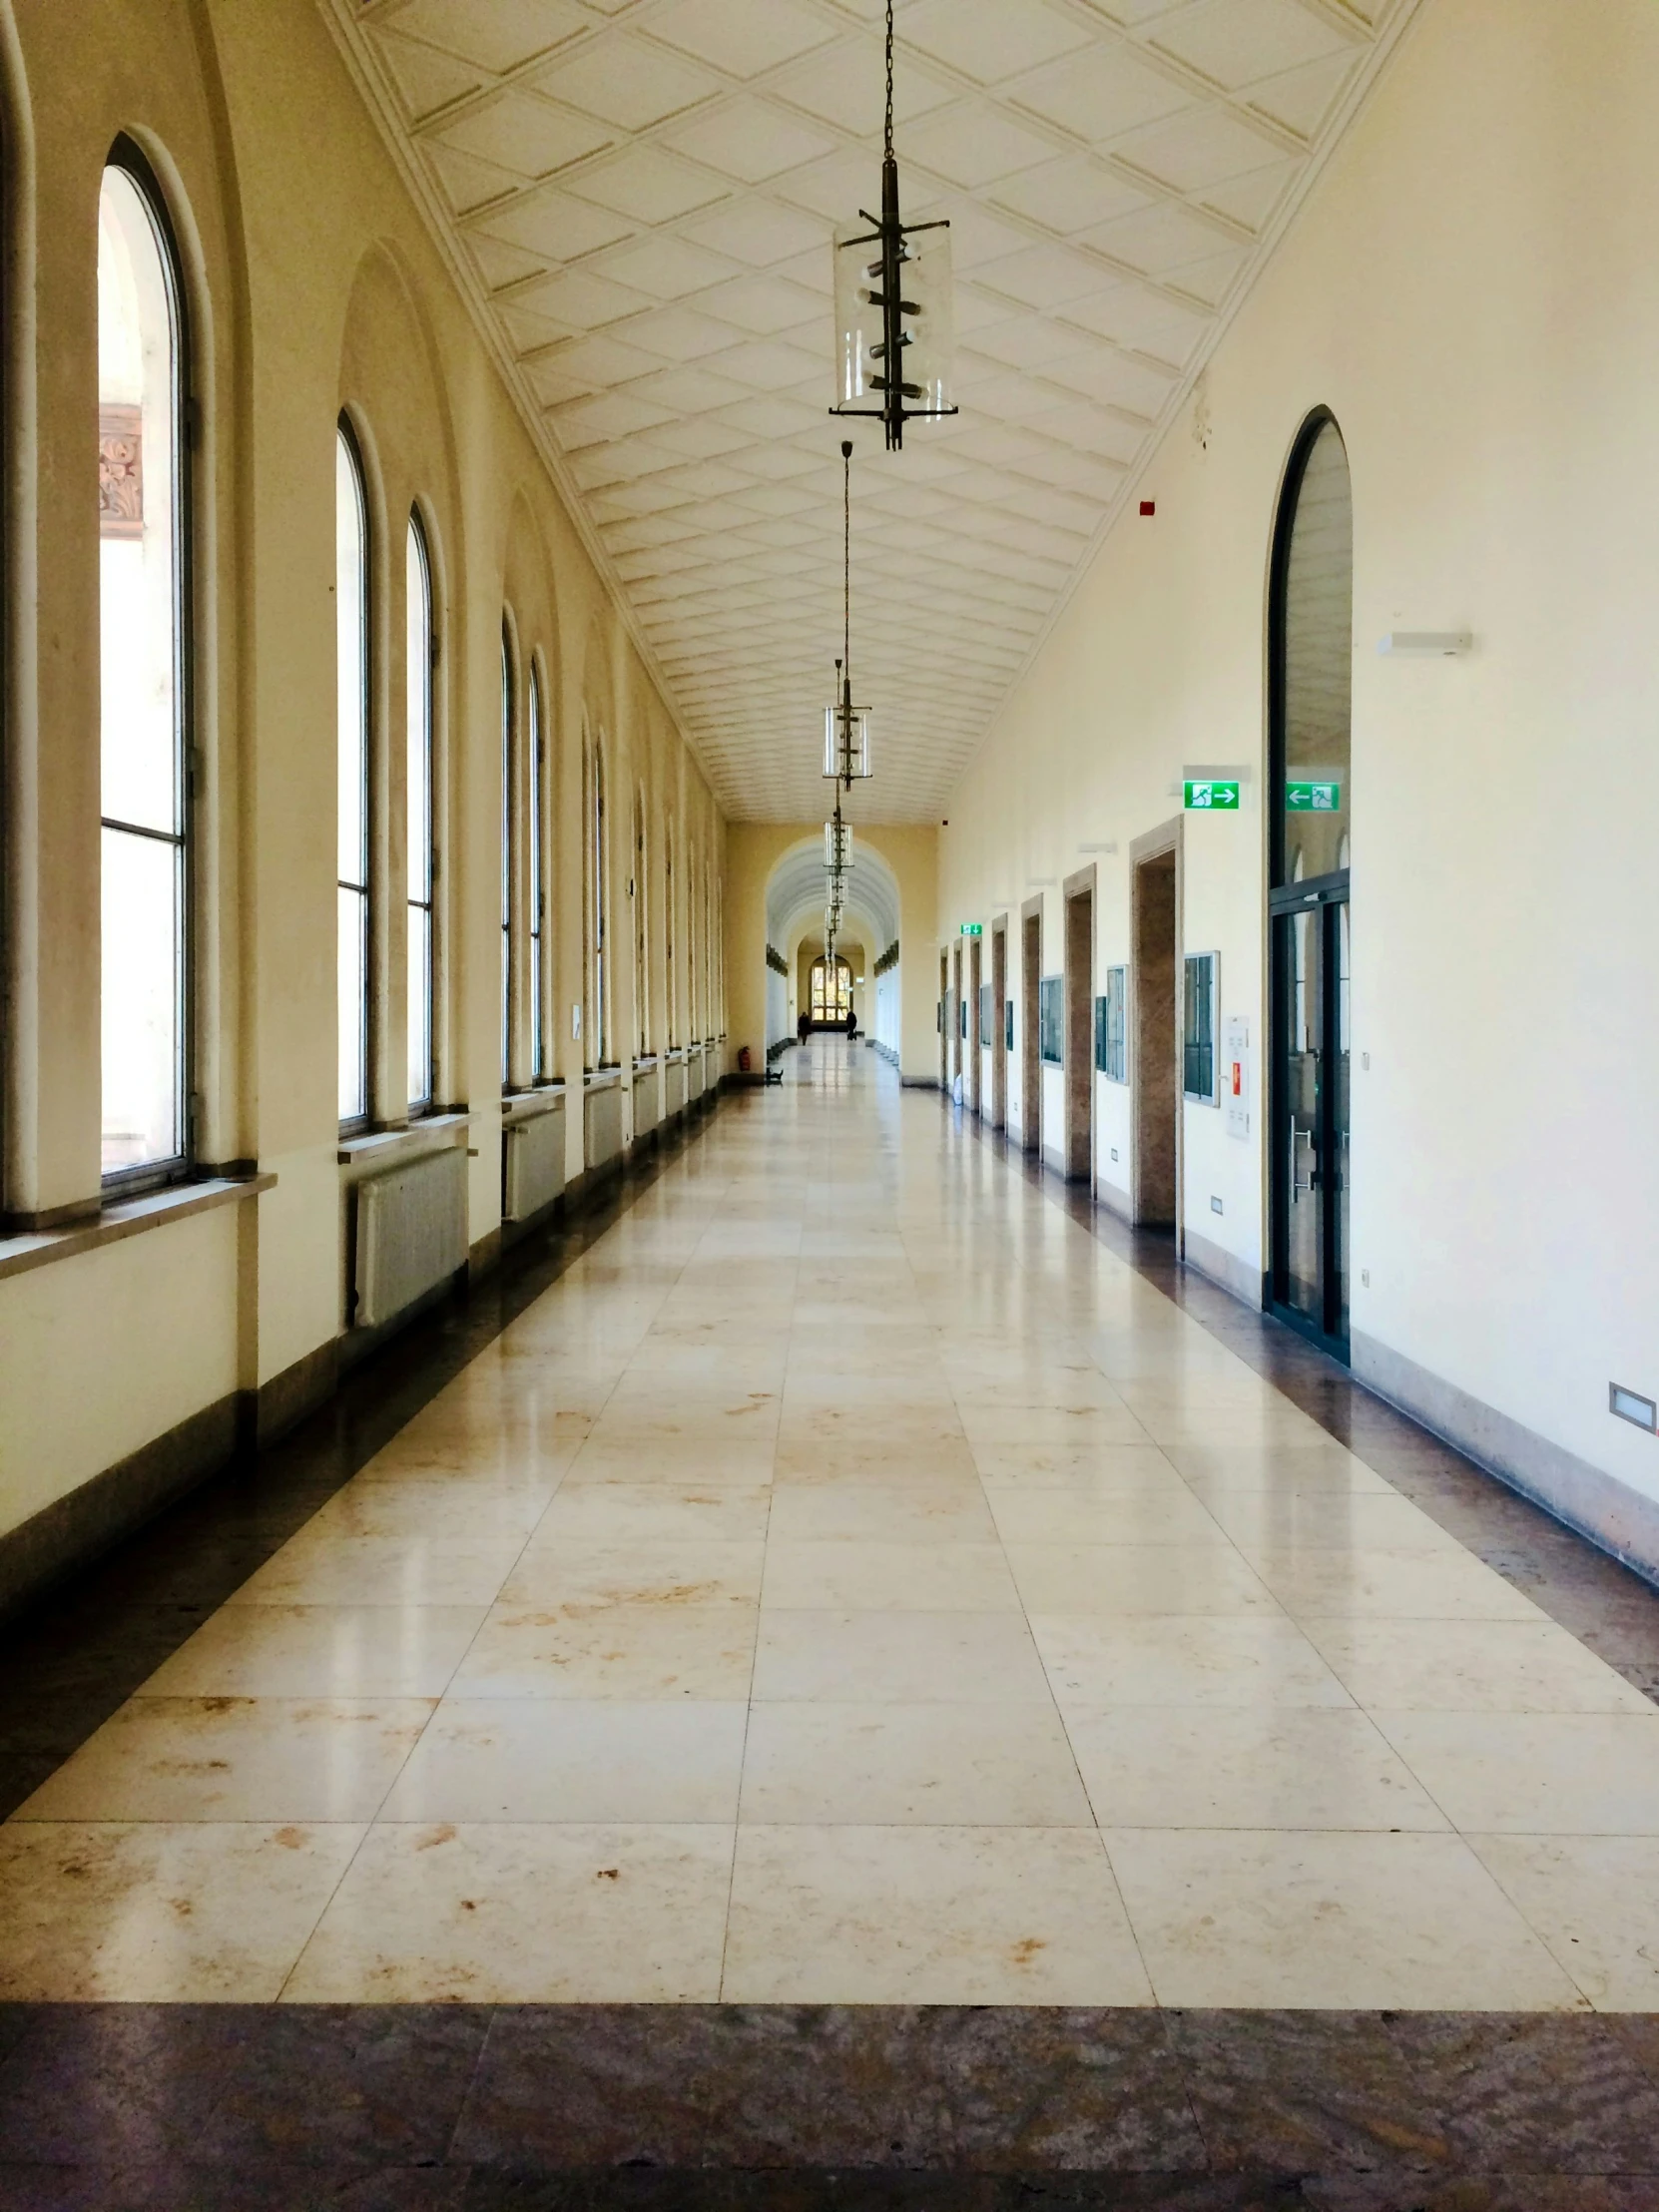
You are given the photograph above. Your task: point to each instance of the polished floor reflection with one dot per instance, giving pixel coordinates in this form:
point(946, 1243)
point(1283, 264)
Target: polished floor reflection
point(853, 1582)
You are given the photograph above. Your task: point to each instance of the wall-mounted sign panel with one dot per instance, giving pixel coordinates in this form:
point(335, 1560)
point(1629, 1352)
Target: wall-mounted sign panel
point(1207, 797)
point(973, 929)
point(1235, 1087)
point(1312, 799)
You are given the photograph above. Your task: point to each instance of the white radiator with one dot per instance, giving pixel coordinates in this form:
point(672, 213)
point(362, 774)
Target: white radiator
point(694, 1073)
point(675, 1081)
point(533, 1171)
point(602, 1110)
point(645, 1103)
point(411, 1234)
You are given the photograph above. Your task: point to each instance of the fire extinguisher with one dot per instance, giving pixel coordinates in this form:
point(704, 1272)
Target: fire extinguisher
point(742, 1059)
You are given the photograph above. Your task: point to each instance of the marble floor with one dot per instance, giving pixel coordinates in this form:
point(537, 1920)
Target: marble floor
point(853, 1582)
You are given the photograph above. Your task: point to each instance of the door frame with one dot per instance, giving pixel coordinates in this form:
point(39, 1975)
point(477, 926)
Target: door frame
point(1030, 1063)
point(1166, 840)
point(974, 1086)
point(999, 1001)
point(1322, 893)
point(1079, 892)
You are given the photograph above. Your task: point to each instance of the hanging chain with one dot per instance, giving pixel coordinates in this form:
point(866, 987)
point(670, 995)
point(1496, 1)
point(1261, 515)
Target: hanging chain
point(846, 554)
point(889, 78)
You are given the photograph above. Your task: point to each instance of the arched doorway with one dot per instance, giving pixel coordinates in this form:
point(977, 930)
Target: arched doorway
point(1311, 697)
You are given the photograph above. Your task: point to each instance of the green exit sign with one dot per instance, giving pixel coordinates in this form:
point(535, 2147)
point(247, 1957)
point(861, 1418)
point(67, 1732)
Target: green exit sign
point(1312, 799)
point(973, 929)
point(1208, 796)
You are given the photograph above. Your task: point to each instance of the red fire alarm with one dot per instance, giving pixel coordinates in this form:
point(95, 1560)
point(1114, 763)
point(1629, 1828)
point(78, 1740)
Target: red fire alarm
point(1149, 506)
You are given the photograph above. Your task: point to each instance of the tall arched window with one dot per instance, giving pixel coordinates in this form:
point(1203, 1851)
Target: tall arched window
point(145, 732)
point(508, 949)
point(352, 619)
point(538, 879)
point(671, 977)
point(642, 960)
point(1310, 670)
point(696, 1006)
point(598, 911)
point(421, 657)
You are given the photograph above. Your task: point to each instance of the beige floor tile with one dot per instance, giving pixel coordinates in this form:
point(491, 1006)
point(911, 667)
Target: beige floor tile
point(648, 1652)
point(653, 1513)
point(927, 1916)
point(875, 1458)
point(1148, 1515)
point(917, 1513)
point(439, 1512)
point(1358, 1922)
point(563, 1760)
point(1276, 1523)
point(850, 1576)
point(1104, 1469)
point(575, 1573)
point(1594, 1899)
point(1135, 1578)
point(1390, 1585)
point(899, 1658)
point(155, 1913)
point(1540, 1773)
point(1219, 1767)
point(519, 1914)
point(305, 1651)
point(1003, 1766)
point(999, 1427)
point(1318, 1467)
point(1258, 1662)
point(746, 1465)
point(896, 1429)
point(267, 1758)
point(320, 1566)
point(1471, 1666)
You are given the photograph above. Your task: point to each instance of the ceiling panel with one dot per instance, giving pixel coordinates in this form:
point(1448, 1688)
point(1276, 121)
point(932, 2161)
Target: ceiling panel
point(638, 197)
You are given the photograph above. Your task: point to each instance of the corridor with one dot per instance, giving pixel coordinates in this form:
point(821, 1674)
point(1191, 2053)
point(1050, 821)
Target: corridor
point(853, 1582)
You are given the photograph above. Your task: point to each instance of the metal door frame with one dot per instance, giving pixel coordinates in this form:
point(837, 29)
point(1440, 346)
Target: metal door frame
point(1323, 895)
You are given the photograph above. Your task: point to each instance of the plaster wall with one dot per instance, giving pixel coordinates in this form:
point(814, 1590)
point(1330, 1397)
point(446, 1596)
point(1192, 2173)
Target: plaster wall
point(1470, 289)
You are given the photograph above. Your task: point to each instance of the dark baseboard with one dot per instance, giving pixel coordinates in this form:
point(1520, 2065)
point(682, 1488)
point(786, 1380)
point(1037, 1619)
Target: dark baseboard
point(485, 1255)
point(284, 1402)
point(74, 1530)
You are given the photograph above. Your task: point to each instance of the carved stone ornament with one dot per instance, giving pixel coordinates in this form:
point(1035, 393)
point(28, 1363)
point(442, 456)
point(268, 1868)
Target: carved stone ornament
point(120, 473)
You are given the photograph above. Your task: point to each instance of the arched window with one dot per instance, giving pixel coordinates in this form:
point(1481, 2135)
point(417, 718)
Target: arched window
point(598, 875)
point(671, 977)
point(831, 990)
point(1313, 660)
point(352, 619)
point(507, 945)
point(145, 734)
point(421, 656)
point(693, 978)
point(642, 962)
point(538, 879)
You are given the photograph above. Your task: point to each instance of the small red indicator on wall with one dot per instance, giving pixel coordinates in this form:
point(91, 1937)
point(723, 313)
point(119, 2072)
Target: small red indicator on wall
point(1149, 506)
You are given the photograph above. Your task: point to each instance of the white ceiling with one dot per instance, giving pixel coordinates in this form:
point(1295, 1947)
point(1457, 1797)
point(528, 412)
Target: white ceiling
point(639, 197)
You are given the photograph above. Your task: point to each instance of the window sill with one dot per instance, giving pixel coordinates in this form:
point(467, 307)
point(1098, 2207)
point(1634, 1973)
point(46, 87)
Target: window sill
point(127, 1218)
point(601, 1079)
point(546, 1098)
point(677, 1056)
point(430, 1134)
point(646, 1065)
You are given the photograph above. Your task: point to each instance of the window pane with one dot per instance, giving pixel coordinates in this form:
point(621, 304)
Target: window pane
point(1317, 665)
point(143, 1042)
point(354, 973)
point(137, 520)
point(538, 900)
point(506, 863)
point(351, 613)
point(420, 1008)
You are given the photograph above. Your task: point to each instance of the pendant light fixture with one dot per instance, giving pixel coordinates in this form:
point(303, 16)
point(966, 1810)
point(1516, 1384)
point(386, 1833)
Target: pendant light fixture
point(895, 320)
point(845, 726)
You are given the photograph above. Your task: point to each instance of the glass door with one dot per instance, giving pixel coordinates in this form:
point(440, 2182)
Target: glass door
point(1310, 1085)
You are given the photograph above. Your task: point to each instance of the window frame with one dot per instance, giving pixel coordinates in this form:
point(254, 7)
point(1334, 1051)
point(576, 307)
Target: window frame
point(1111, 1056)
point(179, 1166)
point(598, 893)
point(355, 1124)
point(418, 540)
point(1288, 508)
point(509, 872)
point(536, 746)
point(1051, 1022)
point(1197, 966)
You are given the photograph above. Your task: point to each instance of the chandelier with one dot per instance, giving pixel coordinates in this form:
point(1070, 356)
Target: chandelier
point(845, 726)
point(893, 314)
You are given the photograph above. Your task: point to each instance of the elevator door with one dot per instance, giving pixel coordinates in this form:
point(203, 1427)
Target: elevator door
point(1311, 1113)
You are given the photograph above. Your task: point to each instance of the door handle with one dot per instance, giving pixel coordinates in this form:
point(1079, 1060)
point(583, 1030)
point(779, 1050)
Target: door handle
point(1299, 1137)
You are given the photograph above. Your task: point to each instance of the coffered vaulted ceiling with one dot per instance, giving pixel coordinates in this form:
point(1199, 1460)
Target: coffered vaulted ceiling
point(639, 197)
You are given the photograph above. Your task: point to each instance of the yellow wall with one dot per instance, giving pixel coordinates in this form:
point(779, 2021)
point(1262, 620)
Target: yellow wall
point(1472, 290)
point(753, 852)
point(310, 284)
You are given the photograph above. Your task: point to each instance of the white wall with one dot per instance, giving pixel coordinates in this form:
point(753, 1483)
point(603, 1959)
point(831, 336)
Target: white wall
point(1473, 290)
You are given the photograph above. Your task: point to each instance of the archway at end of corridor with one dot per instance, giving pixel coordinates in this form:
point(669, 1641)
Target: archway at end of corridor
point(866, 941)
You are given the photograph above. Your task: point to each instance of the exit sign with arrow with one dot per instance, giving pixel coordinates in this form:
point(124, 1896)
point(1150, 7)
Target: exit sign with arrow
point(1312, 799)
point(1208, 796)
